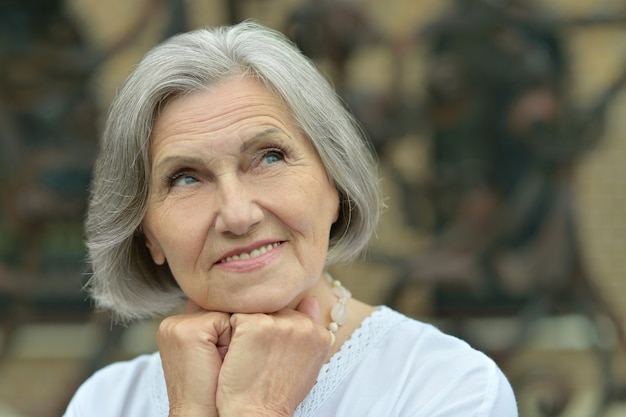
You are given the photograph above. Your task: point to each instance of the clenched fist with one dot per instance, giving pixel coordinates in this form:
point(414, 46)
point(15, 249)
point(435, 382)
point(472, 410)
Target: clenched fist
point(241, 364)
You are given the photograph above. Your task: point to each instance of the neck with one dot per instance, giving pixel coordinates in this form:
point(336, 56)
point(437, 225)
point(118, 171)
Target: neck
point(355, 311)
point(339, 311)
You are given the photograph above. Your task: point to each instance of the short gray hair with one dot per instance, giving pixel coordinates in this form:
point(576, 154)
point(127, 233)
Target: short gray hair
point(124, 277)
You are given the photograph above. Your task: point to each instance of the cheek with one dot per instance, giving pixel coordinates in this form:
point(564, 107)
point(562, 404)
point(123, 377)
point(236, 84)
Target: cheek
point(334, 204)
point(183, 251)
point(185, 246)
point(310, 209)
point(328, 202)
point(180, 234)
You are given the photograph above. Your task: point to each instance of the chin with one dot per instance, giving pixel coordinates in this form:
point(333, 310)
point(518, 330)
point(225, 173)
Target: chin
point(264, 299)
point(266, 306)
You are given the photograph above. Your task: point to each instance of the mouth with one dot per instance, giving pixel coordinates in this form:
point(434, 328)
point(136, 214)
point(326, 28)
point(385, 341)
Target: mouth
point(252, 254)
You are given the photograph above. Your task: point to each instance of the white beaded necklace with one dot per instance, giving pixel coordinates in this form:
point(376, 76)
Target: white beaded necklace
point(339, 312)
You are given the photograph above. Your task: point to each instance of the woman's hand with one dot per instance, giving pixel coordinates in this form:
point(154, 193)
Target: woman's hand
point(244, 364)
point(192, 347)
point(272, 362)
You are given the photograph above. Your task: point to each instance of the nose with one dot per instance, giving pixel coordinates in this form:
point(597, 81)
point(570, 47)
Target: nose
point(238, 211)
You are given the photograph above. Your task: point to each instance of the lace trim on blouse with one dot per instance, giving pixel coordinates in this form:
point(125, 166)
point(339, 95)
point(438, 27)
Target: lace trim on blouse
point(334, 373)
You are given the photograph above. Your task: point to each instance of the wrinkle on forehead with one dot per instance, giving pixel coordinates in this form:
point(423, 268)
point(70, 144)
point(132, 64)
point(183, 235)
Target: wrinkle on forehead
point(195, 160)
point(239, 100)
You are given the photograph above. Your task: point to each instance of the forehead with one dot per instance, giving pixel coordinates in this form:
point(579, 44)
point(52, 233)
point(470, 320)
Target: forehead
point(228, 102)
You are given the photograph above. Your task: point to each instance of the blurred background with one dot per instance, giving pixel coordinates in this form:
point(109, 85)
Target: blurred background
point(501, 131)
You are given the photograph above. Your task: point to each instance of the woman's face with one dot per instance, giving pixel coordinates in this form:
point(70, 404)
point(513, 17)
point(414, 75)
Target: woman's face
point(240, 206)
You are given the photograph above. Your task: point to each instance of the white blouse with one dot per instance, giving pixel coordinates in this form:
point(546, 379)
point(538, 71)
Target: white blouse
point(391, 366)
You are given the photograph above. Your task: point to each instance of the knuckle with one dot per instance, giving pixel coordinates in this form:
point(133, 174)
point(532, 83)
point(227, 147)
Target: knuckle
point(166, 325)
point(176, 328)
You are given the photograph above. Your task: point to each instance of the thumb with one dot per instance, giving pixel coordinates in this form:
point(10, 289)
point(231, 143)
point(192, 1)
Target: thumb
point(310, 307)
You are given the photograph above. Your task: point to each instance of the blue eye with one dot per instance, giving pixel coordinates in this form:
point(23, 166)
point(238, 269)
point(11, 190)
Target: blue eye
point(183, 180)
point(272, 156)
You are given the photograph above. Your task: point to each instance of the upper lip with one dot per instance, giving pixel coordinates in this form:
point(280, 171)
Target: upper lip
point(247, 249)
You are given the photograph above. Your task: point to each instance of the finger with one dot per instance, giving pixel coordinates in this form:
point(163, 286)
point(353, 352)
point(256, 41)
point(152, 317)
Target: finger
point(192, 349)
point(225, 335)
point(310, 307)
point(287, 340)
point(192, 307)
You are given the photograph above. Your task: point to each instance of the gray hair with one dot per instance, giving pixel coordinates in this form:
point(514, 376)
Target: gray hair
point(124, 277)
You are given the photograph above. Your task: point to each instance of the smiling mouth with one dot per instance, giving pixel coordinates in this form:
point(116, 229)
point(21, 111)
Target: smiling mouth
point(253, 254)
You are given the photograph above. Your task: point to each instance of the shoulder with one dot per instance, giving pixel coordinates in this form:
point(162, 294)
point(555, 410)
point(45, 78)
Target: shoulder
point(440, 372)
point(120, 388)
point(416, 338)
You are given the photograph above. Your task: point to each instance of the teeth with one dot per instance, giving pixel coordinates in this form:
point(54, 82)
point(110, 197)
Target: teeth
point(253, 254)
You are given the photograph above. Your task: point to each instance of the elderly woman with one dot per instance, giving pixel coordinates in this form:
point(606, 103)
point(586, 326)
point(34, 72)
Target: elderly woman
point(230, 177)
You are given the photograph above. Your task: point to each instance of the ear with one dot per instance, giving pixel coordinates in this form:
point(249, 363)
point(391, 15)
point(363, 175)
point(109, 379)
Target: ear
point(158, 256)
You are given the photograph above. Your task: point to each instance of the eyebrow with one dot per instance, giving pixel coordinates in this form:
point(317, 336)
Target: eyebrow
point(177, 159)
point(272, 131)
point(194, 160)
